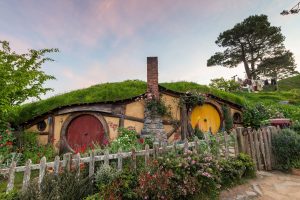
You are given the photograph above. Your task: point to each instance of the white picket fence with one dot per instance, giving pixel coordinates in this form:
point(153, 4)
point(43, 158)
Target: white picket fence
point(256, 143)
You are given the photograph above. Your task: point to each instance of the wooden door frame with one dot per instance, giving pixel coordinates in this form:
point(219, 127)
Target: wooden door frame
point(64, 145)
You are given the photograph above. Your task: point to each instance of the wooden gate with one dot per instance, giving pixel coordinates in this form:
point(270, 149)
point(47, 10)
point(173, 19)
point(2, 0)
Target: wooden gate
point(258, 144)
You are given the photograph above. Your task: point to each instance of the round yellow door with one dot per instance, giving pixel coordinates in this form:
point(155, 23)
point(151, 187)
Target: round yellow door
point(206, 117)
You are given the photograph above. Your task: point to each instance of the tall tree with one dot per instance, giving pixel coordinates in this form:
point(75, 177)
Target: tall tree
point(250, 42)
point(281, 66)
point(21, 77)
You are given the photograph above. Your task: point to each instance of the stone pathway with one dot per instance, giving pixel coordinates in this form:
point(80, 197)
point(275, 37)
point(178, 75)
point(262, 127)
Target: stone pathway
point(267, 186)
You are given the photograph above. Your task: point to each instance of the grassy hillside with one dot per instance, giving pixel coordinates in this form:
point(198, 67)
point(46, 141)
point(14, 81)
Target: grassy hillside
point(131, 88)
point(289, 83)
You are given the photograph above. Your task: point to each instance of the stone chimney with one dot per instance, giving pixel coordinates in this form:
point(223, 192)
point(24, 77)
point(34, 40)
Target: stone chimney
point(152, 76)
point(153, 124)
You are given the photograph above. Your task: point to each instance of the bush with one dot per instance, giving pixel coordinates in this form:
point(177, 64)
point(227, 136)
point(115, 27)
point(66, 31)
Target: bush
point(31, 149)
point(296, 126)
point(122, 187)
point(155, 183)
point(225, 85)
point(194, 175)
point(6, 142)
point(255, 115)
point(286, 148)
point(227, 118)
point(104, 176)
point(234, 170)
point(126, 140)
point(66, 185)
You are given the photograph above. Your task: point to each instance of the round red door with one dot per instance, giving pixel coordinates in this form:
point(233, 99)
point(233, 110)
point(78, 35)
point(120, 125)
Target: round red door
point(83, 131)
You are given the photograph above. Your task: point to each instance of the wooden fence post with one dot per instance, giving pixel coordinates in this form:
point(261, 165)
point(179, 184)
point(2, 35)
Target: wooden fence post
point(156, 149)
point(262, 148)
point(174, 147)
point(77, 164)
point(257, 151)
point(56, 165)
point(146, 155)
point(240, 138)
point(218, 146)
point(269, 137)
point(133, 159)
point(120, 163)
point(273, 132)
point(42, 170)
point(106, 157)
point(246, 140)
point(92, 164)
point(252, 147)
point(267, 150)
point(196, 147)
point(11, 176)
point(236, 146)
point(67, 162)
point(26, 178)
point(186, 146)
point(207, 140)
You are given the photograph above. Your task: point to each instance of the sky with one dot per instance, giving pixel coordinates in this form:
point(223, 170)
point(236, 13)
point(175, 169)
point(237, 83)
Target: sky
point(109, 40)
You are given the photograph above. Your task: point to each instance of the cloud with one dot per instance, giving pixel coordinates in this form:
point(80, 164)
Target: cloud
point(16, 44)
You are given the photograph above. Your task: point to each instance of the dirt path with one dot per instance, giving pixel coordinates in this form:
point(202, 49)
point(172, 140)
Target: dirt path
point(267, 186)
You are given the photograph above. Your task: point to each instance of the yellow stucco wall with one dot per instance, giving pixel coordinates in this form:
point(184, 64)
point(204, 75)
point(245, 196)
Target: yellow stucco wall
point(35, 129)
point(113, 125)
point(173, 104)
point(58, 123)
point(133, 124)
point(135, 109)
point(43, 139)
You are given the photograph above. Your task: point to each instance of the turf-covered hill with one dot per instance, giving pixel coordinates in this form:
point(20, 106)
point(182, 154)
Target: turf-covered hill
point(109, 92)
point(289, 83)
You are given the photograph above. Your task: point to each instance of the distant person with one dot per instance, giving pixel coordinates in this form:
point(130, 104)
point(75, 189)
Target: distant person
point(266, 82)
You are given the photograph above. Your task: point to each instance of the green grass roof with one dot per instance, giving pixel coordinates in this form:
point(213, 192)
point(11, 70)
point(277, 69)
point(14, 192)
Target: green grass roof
point(108, 92)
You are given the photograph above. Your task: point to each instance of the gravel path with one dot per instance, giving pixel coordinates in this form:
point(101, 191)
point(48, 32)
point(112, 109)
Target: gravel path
point(267, 186)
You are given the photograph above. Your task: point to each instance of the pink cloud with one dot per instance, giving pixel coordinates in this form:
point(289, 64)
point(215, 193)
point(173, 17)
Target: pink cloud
point(91, 22)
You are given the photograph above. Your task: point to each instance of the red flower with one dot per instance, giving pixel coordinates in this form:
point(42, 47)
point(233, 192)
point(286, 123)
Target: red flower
point(176, 137)
point(141, 140)
point(9, 143)
point(105, 142)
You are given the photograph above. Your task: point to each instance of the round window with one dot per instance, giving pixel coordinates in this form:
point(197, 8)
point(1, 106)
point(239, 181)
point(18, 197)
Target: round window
point(237, 118)
point(41, 126)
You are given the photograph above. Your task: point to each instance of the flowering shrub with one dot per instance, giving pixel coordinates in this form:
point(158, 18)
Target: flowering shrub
point(31, 149)
point(6, 148)
point(122, 187)
point(126, 140)
point(105, 175)
point(155, 183)
point(6, 142)
point(194, 175)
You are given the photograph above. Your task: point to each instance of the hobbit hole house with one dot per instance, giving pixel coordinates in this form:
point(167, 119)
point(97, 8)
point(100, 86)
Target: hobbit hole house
point(94, 115)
